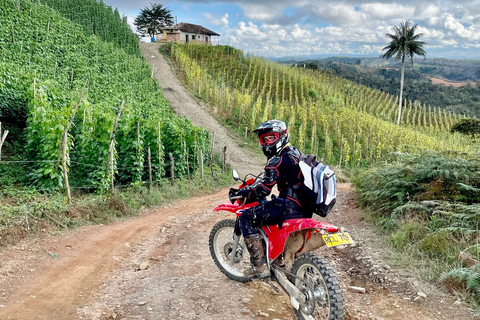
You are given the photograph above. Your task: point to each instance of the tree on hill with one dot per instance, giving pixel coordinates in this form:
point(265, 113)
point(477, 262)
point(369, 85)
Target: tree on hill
point(469, 127)
point(152, 19)
point(404, 42)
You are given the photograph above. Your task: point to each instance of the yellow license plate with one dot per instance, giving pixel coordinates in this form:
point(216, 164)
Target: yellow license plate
point(337, 239)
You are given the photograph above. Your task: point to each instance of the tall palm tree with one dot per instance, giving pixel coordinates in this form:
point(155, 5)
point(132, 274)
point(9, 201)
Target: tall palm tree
point(404, 43)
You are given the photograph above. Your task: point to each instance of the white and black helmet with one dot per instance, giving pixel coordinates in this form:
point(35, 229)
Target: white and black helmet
point(273, 137)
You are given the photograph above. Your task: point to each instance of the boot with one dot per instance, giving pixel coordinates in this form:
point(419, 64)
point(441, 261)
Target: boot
point(258, 260)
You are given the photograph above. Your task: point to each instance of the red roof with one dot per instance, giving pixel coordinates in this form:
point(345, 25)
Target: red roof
point(191, 28)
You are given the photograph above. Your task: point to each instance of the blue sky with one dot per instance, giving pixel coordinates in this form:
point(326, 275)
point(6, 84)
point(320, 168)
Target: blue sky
point(281, 28)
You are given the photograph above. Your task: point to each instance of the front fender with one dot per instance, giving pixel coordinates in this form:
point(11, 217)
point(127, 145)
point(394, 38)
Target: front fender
point(235, 208)
point(226, 207)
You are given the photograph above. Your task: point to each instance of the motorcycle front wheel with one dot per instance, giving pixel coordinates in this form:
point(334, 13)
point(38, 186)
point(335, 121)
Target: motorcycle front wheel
point(317, 280)
point(221, 243)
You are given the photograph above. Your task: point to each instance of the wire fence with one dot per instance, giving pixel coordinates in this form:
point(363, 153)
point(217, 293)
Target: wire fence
point(145, 169)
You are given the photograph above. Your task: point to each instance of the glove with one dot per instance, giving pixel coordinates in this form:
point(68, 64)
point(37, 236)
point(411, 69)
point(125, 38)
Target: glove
point(237, 193)
point(232, 193)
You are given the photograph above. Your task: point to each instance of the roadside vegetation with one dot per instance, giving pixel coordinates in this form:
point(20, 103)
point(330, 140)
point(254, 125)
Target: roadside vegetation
point(428, 208)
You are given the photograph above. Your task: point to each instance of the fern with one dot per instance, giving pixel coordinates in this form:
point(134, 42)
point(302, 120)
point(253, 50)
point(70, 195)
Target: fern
point(469, 278)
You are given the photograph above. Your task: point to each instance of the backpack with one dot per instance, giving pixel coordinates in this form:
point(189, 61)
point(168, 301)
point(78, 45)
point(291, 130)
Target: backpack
point(319, 184)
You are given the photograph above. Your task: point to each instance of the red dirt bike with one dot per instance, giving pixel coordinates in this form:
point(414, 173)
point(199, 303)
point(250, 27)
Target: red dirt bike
point(308, 279)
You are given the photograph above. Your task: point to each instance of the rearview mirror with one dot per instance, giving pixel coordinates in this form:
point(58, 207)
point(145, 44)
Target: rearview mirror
point(235, 175)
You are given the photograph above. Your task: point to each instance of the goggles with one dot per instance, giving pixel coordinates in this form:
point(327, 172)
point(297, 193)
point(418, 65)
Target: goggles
point(270, 138)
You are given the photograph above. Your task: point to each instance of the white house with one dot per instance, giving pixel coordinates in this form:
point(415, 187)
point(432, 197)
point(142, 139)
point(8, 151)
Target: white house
point(187, 32)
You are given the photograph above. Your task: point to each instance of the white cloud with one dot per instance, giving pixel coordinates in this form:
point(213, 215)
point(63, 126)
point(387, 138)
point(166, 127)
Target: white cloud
point(225, 19)
point(423, 11)
point(335, 34)
point(387, 11)
point(453, 28)
point(340, 14)
point(264, 11)
point(216, 21)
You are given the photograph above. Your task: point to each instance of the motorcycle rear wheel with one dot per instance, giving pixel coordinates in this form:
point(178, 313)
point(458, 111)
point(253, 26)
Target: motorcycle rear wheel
point(318, 281)
point(221, 244)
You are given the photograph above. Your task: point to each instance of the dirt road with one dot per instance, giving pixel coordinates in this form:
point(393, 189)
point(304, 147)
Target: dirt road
point(157, 266)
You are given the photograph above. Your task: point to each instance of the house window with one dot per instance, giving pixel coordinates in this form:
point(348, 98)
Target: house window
point(193, 37)
point(206, 39)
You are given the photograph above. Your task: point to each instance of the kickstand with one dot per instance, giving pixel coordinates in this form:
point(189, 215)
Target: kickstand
point(274, 287)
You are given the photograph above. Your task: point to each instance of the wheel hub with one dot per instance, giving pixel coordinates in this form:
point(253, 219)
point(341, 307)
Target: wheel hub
point(227, 250)
point(314, 293)
point(308, 307)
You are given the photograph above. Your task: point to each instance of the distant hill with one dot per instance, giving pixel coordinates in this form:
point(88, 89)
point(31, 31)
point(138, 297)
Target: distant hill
point(437, 82)
point(448, 69)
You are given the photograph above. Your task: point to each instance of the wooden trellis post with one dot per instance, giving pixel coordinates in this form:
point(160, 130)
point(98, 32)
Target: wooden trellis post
point(224, 158)
point(211, 153)
point(2, 139)
point(172, 168)
point(188, 167)
point(201, 163)
point(64, 145)
point(110, 148)
point(160, 153)
point(195, 151)
point(150, 167)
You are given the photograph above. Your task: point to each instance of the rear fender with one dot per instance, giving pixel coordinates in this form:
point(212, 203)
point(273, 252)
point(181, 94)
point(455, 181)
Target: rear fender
point(303, 235)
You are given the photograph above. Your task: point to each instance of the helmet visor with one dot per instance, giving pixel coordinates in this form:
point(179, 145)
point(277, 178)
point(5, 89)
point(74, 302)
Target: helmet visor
point(268, 139)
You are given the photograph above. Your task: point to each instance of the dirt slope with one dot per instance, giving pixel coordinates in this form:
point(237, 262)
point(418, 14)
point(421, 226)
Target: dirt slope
point(157, 266)
point(185, 105)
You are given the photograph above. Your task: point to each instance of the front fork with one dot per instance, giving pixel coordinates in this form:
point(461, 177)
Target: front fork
point(237, 233)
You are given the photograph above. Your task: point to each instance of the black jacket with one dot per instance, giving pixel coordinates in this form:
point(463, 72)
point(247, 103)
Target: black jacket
point(282, 170)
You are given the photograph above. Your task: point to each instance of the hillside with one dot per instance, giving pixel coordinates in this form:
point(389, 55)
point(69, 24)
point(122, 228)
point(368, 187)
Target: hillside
point(347, 124)
point(55, 77)
point(426, 82)
point(448, 69)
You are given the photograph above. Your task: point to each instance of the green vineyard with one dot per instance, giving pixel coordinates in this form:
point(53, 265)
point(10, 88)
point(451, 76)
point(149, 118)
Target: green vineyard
point(59, 80)
point(345, 123)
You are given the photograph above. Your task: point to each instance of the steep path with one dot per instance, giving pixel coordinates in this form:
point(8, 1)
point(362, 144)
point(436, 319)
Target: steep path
point(184, 105)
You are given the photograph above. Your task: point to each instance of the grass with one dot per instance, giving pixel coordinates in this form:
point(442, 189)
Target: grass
point(413, 247)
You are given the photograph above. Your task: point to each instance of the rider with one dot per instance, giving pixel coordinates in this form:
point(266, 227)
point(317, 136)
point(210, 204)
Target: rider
point(282, 169)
